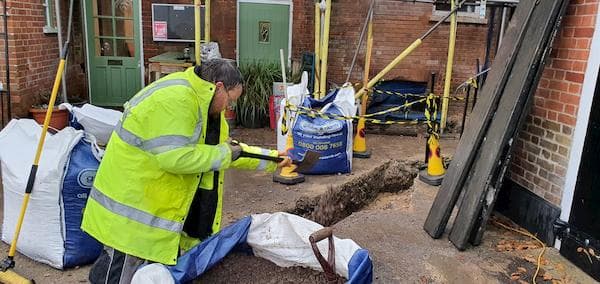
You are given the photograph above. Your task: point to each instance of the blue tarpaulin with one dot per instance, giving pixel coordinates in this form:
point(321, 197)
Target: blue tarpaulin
point(210, 252)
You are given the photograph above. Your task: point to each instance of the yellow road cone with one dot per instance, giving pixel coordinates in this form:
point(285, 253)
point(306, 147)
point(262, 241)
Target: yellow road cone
point(288, 175)
point(434, 174)
point(359, 146)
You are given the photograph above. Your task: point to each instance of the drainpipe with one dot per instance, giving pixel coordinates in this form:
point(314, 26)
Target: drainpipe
point(60, 48)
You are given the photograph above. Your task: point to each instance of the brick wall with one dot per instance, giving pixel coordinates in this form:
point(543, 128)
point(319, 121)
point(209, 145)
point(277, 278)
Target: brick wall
point(33, 55)
point(542, 150)
point(396, 25)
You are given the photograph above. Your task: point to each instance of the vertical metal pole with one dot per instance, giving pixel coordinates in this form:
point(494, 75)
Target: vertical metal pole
point(360, 40)
point(63, 89)
point(317, 62)
point(367, 68)
point(325, 50)
point(502, 24)
point(6, 58)
point(206, 20)
point(488, 44)
point(197, 32)
point(449, 65)
point(464, 118)
point(359, 146)
point(479, 81)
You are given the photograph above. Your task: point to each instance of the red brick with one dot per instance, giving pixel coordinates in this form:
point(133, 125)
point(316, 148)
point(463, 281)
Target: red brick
point(574, 77)
point(584, 32)
point(575, 88)
point(566, 119)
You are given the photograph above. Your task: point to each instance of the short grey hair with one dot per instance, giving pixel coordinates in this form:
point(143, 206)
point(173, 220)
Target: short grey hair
point(220, 70)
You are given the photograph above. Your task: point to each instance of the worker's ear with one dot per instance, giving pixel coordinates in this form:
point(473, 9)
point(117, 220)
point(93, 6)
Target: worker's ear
point(219, 85)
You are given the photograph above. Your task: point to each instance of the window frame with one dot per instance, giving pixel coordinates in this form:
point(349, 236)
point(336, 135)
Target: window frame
point(50, 27)
point(472, 17)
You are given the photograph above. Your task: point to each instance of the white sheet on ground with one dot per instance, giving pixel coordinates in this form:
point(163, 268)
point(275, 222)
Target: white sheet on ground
point(282, 238)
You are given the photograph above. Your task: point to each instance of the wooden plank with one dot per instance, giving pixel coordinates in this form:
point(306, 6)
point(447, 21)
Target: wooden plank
point(498, 177)
point(444, 202)
point(503, 126)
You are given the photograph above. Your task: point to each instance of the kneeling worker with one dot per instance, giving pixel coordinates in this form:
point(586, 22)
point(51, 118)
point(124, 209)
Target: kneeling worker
point(160, 184)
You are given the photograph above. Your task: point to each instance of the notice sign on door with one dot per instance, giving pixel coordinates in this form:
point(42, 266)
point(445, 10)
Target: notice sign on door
point(160, 30)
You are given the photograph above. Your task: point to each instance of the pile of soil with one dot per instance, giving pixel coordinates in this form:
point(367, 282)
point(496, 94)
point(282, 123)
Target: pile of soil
point(341, 201)
point(244, 268)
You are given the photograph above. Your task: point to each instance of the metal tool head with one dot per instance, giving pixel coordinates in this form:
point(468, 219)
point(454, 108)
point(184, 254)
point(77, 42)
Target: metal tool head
point(308, 162)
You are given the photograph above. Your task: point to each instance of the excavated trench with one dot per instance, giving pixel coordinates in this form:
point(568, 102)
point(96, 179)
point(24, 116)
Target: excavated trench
point(337, 203)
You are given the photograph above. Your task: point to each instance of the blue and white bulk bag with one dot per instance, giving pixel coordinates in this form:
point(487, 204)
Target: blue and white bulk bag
point(80, 248)
point(281, 238)
point(50, 232)
point(295, 95)
point(97, 121)
point(330, 137)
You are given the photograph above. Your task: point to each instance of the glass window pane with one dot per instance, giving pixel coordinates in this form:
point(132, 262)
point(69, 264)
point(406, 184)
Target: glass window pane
point(124, 28)
point(104, 47)
point(103, 8)
point(124, 8)
point(125, 48)
point(104, 27)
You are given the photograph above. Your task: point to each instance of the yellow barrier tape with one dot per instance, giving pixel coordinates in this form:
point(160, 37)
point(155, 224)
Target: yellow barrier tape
point(368, 117)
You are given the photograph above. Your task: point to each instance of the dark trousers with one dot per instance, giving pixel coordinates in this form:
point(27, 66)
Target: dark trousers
point(114, 267)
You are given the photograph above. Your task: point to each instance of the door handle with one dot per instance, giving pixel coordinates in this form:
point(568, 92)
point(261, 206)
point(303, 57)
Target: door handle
point(115, 62)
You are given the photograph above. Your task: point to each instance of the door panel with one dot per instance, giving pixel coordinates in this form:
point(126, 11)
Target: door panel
point(114, 50)
point(584, 219)
point(264, 29)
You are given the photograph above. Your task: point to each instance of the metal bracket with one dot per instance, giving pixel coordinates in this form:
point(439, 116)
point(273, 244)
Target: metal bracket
point(560, 228)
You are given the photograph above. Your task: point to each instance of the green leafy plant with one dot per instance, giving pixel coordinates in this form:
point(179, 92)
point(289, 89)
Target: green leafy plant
point(252, 108)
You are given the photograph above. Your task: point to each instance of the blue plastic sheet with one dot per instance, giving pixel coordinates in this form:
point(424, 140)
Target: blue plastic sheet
point(382, 101)
point(210, 252)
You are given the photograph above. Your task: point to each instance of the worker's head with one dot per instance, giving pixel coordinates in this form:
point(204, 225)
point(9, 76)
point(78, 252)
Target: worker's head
point(228, 81)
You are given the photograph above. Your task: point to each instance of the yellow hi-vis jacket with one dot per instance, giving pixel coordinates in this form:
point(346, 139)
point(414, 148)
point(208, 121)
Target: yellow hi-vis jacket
point(155, 163)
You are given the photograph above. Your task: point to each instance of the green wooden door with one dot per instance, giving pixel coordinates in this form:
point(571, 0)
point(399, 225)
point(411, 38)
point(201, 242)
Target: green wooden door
point(114, 50)
point(263, 30)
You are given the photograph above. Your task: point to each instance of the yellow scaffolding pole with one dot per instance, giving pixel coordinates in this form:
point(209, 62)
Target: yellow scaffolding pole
point(363, 106)
point(449, 65)
point(359, 146)
point(206, 20)
point(325, 50)
point(406, 52)
point(197, 32)
point(317, 62)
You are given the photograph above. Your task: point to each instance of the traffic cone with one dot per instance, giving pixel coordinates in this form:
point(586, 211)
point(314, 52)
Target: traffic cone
point(288, 175)
point(359, 146)
point(434, 174)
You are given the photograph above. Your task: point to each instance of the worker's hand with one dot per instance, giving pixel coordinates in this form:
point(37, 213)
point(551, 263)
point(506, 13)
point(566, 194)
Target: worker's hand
point(236, 149)
point(287, 161)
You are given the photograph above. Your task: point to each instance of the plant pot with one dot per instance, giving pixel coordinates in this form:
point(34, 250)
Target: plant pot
point(59, 119)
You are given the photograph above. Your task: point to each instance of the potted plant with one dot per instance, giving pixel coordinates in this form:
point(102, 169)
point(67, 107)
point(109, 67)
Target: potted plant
point(252, 108)
point(59, 119)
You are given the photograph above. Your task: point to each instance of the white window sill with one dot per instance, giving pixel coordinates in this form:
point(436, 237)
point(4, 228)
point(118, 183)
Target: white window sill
point(466, 18)
point(49, 30)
